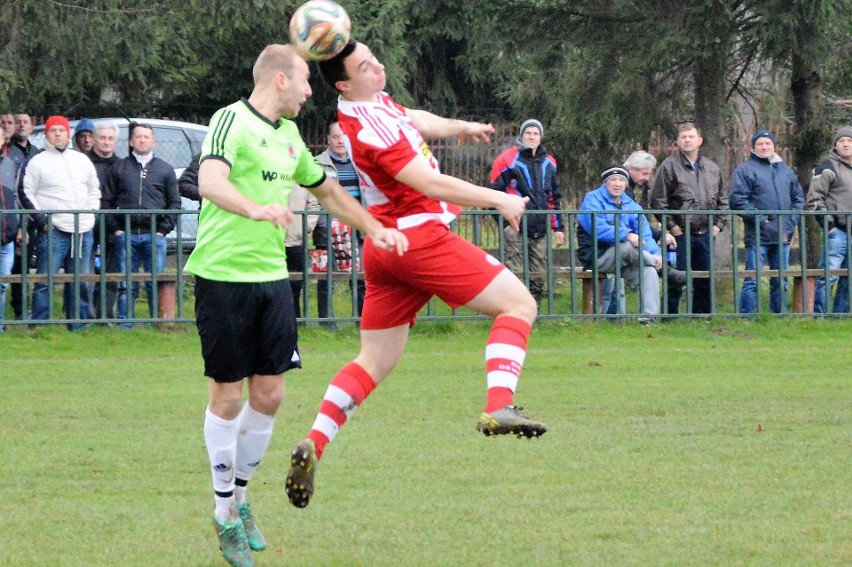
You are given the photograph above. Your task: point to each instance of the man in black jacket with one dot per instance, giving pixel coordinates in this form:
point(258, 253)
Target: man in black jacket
point(140, 181)
point(102, 154)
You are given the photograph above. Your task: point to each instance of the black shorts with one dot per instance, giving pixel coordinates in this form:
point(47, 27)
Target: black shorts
point(245, 328)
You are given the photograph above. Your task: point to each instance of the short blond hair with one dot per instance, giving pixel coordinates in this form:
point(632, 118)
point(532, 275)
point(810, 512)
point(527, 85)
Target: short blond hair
point(273, 59)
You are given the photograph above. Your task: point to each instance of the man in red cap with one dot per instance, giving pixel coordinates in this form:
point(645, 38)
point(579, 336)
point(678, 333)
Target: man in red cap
point(61, 178)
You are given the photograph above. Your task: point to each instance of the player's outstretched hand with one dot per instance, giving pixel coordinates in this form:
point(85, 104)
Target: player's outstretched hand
point(390, 240)
point(512, 209)
point(278, 215)
point(475, 132)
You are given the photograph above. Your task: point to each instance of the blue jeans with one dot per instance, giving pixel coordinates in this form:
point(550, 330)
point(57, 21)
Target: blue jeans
point(140, 255)
point(777, 294)
point(64, 246)
point(700, 259)
point(7, 258)
point(837, 259)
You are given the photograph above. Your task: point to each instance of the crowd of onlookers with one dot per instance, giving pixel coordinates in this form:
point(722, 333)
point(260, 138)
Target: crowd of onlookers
point(620, 237)
point(79, 171)
point(83, 174)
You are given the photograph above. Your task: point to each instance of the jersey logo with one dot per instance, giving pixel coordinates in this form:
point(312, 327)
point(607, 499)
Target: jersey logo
point(425, 151)
point(291, 151)
point(269, 175)
point(263, 143)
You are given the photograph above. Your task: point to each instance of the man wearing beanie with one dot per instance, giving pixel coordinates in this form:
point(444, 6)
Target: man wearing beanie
point(689, 181)
point(60, 178)
point(527, 170)
point(84, 135)
point(626, 239)
point(764, 183)
point(831, 190)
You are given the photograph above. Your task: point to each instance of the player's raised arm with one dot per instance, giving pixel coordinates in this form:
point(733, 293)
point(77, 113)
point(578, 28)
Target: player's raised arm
point(433, 126)
point(343, 206)
point(213, 185)
point(418, 175)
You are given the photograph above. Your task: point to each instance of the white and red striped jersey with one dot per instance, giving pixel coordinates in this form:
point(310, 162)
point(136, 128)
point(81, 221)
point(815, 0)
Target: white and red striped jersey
point(381, 139)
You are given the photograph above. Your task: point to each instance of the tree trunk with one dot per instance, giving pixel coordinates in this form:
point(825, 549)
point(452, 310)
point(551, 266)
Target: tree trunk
point(808, 144)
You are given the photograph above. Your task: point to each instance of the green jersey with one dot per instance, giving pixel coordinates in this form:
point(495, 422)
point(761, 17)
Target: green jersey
point(265, 158)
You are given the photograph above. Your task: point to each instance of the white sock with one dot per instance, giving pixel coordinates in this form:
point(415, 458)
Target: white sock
point(254, 432)
point(220, 437)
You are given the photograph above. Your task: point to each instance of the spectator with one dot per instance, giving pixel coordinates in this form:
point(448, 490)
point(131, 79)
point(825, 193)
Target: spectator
point(84, 139)
point(103, 157)
point(621, 242)
point(140, 181)
point(7, 124)
point(188, 180)
point(61, 178)
point(527, 170)
point(831, 190)
point(640, 167)
point(9, 227)
point(300, 200)
point(20, 152)
point(346, 245)
point(764, 183)
point(688, 181)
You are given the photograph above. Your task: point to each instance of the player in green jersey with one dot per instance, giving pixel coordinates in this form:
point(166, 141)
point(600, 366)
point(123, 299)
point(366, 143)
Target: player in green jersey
point(244, 308)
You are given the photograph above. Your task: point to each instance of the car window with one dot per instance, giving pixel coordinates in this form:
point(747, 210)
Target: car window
point(173, 146)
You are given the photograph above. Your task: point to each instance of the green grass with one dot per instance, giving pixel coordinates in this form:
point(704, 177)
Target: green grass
point(653, 455)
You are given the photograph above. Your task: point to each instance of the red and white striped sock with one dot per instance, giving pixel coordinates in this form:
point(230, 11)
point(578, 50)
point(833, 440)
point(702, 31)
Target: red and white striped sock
point(504, 358)
point(349, 388)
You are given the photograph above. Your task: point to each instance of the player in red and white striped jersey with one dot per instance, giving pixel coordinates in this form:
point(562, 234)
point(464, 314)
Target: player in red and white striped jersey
point(404, 188)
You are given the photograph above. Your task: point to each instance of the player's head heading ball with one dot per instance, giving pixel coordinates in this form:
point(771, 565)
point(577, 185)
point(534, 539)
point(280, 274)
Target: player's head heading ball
point(334, 69)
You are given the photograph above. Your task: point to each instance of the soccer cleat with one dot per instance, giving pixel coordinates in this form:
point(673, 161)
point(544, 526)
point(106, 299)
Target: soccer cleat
point(255, 539)
point(299, 483)
point(233, 543)
point(509, 420)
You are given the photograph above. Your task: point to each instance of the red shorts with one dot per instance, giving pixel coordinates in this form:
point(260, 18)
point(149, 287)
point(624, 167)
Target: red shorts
point(438, 262)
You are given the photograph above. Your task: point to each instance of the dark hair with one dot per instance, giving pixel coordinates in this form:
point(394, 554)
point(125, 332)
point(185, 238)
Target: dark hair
point(333, 70)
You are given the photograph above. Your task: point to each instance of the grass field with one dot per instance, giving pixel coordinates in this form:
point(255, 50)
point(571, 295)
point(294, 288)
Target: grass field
point(653, 457)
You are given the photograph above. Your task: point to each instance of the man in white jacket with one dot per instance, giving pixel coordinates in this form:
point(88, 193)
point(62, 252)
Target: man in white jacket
point(62, 179)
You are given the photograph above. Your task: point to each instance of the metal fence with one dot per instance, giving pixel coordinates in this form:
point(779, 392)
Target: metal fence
point(572, 290)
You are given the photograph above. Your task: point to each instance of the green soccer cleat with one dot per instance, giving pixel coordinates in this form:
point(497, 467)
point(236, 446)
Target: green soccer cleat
point(233, 543)
point(509, 420)
point(299, 483)
point(255, 539)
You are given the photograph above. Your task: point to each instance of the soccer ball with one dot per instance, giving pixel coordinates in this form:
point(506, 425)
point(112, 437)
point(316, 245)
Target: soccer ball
point(319, 29)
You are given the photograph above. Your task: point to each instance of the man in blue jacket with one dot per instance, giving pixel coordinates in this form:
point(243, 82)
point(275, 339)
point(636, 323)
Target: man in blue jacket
point(528, 170)
point(764, 183)
point(628, 239)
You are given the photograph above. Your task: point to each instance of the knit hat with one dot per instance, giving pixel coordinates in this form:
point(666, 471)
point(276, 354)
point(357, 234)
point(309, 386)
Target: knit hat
point(763, 134)
point(844, 132)
point(84, 125)
point(57, 120)
point(532, 122)
point(614, 170)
